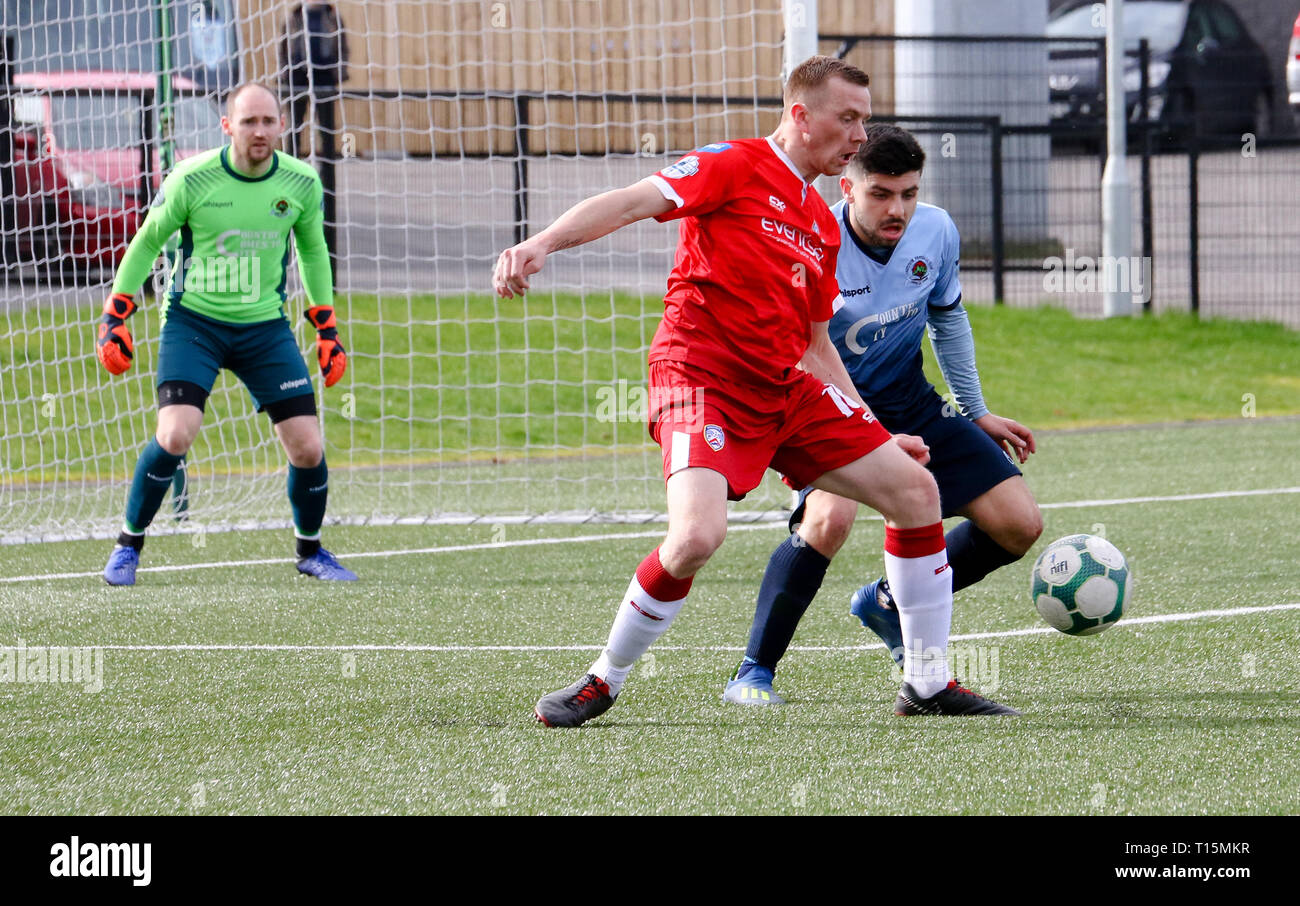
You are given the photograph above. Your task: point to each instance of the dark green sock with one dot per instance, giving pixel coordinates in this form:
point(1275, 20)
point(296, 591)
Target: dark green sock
point(308, 489)
point(153, 476)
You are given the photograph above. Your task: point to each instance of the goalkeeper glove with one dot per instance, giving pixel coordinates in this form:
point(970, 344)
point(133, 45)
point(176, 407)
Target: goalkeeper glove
point(113, 343)
point(331, 355)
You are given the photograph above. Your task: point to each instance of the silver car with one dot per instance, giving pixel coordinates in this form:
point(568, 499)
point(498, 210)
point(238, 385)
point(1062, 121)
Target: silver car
point(1293, 72)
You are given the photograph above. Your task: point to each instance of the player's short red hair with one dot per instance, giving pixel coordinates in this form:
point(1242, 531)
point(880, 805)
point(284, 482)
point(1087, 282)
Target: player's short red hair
point(815, 72)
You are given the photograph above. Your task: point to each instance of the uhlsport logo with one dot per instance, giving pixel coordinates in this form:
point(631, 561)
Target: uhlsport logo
point(714, 437)
point(917, 270)
point(281, 208)
point(103, 860)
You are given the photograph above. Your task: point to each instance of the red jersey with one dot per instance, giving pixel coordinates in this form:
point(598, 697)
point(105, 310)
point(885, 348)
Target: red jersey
point(755, 263)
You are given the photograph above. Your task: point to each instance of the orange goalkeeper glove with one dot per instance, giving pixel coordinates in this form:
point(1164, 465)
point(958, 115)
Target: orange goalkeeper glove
point(113, 342)
point(331, 355)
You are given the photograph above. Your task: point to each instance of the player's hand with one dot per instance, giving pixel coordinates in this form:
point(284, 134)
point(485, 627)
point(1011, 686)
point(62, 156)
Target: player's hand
point(914, 447)
point(330, 354)
point(113, 343)
point(1009, 434)
point(515, 266)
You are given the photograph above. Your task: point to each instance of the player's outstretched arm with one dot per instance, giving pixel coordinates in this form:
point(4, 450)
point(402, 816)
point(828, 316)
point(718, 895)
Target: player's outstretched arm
point(586, 221)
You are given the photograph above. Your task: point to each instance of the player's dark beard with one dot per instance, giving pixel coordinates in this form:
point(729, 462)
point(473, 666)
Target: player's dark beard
point(870, 237)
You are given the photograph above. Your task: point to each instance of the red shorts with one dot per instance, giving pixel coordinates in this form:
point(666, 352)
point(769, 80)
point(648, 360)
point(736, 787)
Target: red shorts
point(803, 428)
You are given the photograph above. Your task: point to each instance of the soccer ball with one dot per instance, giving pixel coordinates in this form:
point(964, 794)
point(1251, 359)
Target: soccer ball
point(1081, 584)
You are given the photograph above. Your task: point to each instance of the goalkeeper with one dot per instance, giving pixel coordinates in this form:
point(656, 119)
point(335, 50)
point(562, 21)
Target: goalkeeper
point(235, 208)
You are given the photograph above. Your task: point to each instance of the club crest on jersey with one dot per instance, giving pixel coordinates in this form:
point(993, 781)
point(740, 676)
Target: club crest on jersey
point(281, 208)
point(714, 437)
point(918, 269)
point(687, 166)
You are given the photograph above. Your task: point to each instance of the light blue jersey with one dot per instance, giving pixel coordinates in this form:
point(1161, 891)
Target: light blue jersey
point(885, 303)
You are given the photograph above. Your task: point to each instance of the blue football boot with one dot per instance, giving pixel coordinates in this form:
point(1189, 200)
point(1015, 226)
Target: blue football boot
point(120, 569)
point(874, 606)
point(322, 565)
point(752, 685)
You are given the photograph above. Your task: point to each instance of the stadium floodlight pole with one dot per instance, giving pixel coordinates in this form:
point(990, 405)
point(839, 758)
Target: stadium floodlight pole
point(1116, 219)
point(800, 17)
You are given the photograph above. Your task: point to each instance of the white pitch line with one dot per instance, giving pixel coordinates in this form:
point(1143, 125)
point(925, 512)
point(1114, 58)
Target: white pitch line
point(615, 536)
point(832, 649)
point(1171, 498)
point(404, 552)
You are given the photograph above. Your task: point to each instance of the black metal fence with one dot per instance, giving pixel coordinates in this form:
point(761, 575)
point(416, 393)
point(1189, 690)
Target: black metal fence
point(1214, 211)
point(1015, 152)
point(1216, 189)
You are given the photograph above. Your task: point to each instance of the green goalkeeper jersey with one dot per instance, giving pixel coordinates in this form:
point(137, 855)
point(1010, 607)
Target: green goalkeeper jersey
point(233, 261)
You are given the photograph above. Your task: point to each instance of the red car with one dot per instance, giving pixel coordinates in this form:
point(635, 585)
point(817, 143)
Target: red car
point(79, 151)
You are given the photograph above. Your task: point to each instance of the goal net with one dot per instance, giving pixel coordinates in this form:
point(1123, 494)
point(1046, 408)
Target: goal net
point(457, 129)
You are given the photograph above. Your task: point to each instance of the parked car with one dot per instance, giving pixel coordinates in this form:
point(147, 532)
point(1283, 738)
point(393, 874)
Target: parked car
point(1293, 72)
point(1206, 75)
point(79, 173)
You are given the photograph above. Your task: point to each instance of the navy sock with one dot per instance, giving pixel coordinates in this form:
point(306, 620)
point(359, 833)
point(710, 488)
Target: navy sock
point(790, 582)
point(973, 555)
point(153, 476)
point(308, 490)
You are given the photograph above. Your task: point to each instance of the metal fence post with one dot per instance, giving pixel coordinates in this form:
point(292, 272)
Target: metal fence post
point(995, 155)
point(1144, 123)
point(1193, 226)
point(521, 168)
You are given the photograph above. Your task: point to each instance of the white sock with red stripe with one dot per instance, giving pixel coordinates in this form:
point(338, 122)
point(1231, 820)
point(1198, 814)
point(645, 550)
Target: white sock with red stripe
point(920, 580)
point(653, 599)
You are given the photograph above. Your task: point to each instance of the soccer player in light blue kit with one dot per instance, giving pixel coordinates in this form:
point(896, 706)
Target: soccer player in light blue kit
point(898, 275)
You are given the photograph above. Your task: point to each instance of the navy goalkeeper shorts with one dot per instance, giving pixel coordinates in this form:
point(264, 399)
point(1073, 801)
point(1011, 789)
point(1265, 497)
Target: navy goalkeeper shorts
point(264, 356)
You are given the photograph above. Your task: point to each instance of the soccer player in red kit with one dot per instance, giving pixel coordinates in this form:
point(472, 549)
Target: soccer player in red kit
point(743, 376)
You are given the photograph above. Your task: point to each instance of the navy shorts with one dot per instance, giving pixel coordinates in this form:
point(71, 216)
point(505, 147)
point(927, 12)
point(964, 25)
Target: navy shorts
point(264, 356)
point(964, 460)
